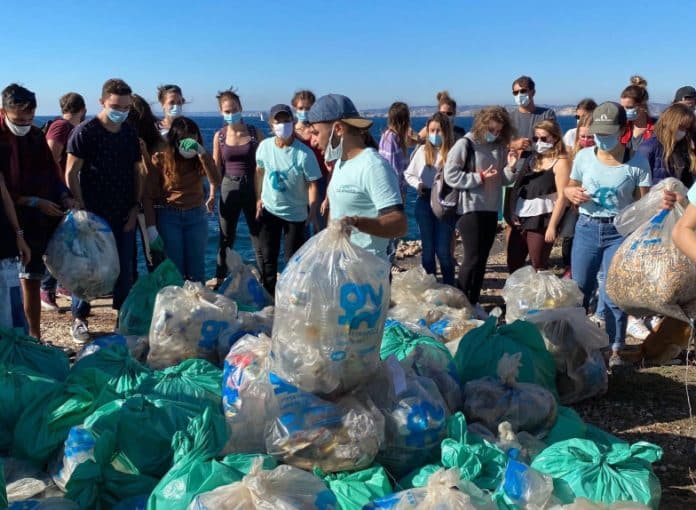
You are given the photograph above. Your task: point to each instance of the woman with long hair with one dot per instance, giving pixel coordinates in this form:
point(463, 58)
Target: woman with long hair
point(436, 234)
point(639, 124)
point(176, 187)
point(393, 145)
point(537, 199)
point(172, 101)
point(481, 179)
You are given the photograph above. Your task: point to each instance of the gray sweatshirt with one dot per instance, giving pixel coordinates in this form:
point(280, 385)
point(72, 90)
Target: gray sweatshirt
point(478, 195)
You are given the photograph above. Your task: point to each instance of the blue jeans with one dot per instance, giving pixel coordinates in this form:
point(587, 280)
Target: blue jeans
point(125, 245)
point(436, 238)
point(594, 246)
point(185, 234)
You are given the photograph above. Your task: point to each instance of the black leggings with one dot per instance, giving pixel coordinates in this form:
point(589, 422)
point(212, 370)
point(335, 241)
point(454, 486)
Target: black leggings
point(477, 230)
point(237, 194)
point(272, 230)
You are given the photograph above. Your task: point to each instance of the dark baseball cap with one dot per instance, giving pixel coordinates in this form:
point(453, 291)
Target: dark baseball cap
point(280, 108)
point(687, 91)
point(608, 119)
point(337, 107)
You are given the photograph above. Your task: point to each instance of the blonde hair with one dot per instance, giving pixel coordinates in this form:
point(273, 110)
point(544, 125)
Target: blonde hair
point(488, 114)
point(551, 127)
point(637, 90)
point(444, 98)
point(584, 121)
point(666, 132)
point(429, 149)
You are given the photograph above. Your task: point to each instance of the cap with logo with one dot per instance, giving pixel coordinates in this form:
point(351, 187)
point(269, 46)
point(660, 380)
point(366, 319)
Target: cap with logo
point(608, 119)
point(684, 92)
point(334, 107)
point(280, 108)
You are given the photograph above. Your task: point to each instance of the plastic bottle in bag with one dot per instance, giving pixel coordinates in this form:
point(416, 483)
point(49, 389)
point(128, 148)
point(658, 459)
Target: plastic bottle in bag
point(242, 287)
point(331, 305)
point(82, 255)
point(526, 487)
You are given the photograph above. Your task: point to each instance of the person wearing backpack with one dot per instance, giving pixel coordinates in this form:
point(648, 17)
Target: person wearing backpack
point(479, 181)
point(436, 233)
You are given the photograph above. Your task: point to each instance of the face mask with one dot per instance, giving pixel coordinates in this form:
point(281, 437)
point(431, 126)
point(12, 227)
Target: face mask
point(16, 129)
point(301, 115)
point(631, 113)
point(586, 142)
point(232, 118)
point(435, 140)
point(283, 130)
point(174, 111)
point(542, 147)
point(607, 142)
point(333, 153)
point(490, 137)
point(116, 116)
point(680, 135)
point(522, 99)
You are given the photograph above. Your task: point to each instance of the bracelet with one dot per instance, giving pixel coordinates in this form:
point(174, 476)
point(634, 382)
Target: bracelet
point(20, 233)
point(483, 178)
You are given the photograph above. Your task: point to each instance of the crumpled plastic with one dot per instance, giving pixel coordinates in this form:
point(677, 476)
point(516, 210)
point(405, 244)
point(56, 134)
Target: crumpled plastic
point(354, 490)
point(242, 287)
point(82, 255)
point(138, 346)
point(331, 305)
point(187, 323)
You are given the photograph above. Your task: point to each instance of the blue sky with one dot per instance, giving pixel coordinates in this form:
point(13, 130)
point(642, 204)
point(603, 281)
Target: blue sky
point(376, 52)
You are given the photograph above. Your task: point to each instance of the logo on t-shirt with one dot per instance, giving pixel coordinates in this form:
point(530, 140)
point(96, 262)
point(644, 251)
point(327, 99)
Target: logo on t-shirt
point(278, 181)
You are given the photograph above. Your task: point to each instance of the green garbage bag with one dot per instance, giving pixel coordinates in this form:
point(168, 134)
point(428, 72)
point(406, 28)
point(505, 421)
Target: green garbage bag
point(604, 474)
point(193, 380)
point(111, 366)
point(44, 425)
point(480, 350)
point(355, 490)
point(136, 311)
point(19, 387)
point(478, 461)
point(196, 470)
point(3, 487)
point(428, 358)
point(568, 425)
point(16, 348)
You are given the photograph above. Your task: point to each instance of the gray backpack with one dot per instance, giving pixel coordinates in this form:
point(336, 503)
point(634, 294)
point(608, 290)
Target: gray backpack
point(444, 199)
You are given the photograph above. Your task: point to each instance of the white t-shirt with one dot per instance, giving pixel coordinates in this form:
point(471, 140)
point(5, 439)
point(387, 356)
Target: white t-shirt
point(570, 137)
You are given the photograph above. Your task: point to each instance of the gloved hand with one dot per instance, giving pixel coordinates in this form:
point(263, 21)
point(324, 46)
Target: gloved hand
point(188, 147)
point(156, 242)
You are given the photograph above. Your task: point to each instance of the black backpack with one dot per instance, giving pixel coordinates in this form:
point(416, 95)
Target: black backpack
point(444, 199)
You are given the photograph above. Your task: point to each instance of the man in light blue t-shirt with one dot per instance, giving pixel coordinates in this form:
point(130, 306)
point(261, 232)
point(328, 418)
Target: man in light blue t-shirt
point(286, 188)
point(364, 190)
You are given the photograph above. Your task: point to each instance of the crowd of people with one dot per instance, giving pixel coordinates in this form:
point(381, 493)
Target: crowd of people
point(322, 163)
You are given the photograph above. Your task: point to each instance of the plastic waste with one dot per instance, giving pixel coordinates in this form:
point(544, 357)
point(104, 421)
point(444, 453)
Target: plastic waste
point(445, 489)
point(524, 445)
point(586, 504)
point(331, 304)
point(355, 490)
point(187, 323)
point(415, 417)
point(247, 394)
point(526, 487)
point(282, 488)
point(311, 432)
point(415, 285)
point(135, 315)
point(136, 345)
point(426, 357)
point(24, 480)
point(527, 407)
point(575, 344)
point(82, 255)
point(16, 348)
point(527, 290)
point(602, 473)
point(54, 503)
point(242, 287)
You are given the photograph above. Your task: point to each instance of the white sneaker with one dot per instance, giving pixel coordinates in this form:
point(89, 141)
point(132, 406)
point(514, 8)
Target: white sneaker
point(479, 312)
point(80, 331)
point(597, 321)
point(637, 329)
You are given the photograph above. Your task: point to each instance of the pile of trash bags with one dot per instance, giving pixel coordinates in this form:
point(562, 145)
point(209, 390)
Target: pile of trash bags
point(319, 402)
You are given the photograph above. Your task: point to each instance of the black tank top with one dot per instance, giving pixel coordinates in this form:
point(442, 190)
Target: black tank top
point(238, 160)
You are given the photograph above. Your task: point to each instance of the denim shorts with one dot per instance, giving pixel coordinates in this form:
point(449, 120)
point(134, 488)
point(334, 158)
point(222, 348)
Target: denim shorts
point(11, 309)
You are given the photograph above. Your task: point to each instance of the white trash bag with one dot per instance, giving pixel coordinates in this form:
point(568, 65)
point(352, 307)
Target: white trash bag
point(82, 255)
point(187, 323)
point(331, 305)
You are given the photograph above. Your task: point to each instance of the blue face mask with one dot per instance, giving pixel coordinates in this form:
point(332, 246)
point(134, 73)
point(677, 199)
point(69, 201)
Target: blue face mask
point(116, 116)
point(522, 99)
point(435, 140)
point(302, 115)
point(606, 142)
point(232, 118)
point(631, 113)
point(490, 137)
point(174, 111)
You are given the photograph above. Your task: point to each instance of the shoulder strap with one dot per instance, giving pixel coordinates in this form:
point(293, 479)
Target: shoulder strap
point(470, 163)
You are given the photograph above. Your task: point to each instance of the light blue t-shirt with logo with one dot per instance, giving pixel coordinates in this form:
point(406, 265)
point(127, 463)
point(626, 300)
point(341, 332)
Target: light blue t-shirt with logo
point(287, 170)
point(611, 187)
point(692, 195)
point(364, 186)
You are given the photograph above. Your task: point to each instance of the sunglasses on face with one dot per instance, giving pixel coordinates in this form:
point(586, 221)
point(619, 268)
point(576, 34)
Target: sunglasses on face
point(519, 91)
point(545, 139)
point(449, 114)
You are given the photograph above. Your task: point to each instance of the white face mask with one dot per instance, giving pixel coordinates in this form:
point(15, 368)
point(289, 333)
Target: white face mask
point(680, 135)
point(333, 153)
point(283, 130)
point(15, 129)
point(542, 147)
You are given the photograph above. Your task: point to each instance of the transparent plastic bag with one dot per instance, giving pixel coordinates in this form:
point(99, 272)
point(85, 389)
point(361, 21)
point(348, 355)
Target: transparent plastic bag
point(527, 290)
point(648, 275)
point(635, 215)
point(247, 394)
point(445, 489)
point(527, 407)
point(242, 287)
point(187, 323)
point(247, 323)
point(523, 444)
point(310, 432)
point(331, 304)
point(415, 416)
point(138, 346)
point(23, 480)
point(417, 286)
point(282, 488)
point(575, 343)
point(82, 255)
point(527, 488)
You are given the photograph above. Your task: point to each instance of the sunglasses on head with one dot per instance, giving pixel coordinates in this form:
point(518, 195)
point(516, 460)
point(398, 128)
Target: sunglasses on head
point(545, 139)
point(519, 91)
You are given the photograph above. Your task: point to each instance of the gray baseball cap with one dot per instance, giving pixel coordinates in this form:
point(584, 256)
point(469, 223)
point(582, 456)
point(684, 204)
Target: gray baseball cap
point(334, 107)
point(608, 119)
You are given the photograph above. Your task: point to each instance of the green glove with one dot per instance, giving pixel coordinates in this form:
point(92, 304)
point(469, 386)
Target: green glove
point(190, 145)
point(157, 244)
